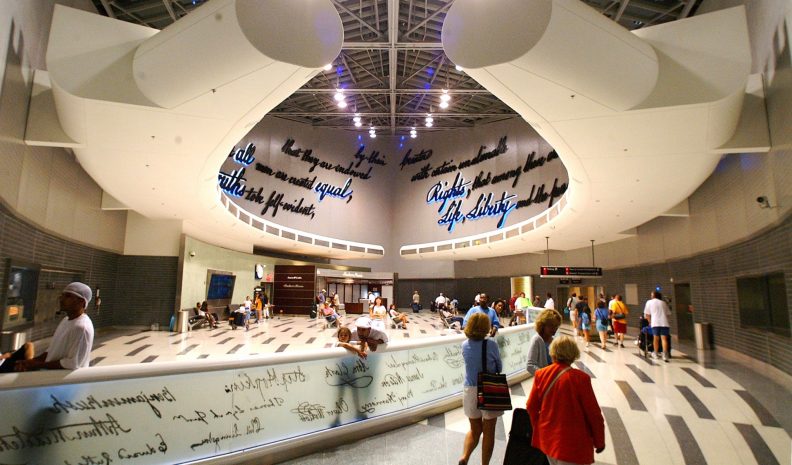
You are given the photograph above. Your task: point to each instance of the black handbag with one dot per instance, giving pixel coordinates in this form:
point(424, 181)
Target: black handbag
point(519, 450)
point(492, 388)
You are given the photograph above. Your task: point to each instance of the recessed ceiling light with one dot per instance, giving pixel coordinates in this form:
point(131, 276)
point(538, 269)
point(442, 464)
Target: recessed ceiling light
point(328, 67)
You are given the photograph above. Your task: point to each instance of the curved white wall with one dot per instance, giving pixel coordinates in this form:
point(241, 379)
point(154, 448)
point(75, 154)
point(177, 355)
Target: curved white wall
point(45, 185)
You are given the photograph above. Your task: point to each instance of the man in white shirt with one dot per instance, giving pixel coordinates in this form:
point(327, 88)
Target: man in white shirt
point(657, 312)
point(549, 303)
point(71, 345)
point(367, 336)
point(440, 302)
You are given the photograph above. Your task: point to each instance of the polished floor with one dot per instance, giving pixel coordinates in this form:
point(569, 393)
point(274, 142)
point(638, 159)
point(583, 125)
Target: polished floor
point(682, 412)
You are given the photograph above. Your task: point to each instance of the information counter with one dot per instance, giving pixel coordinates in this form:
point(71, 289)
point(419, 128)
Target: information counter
point(267, 408)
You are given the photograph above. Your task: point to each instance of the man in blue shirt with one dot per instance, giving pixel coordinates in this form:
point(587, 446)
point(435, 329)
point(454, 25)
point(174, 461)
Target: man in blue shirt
point(483, 307)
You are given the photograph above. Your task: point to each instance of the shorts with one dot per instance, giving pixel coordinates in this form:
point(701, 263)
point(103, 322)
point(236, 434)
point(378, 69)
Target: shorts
point(585, 327)
point(470, 405)
point(619, 327)
point(572, 315)
point(661, 331)
point(601, 327)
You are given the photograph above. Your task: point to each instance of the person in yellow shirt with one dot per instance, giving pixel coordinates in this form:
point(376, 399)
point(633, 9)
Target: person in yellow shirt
point(619, 312)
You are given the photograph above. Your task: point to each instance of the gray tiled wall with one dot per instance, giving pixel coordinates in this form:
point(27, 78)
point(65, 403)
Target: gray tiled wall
point(712, 278)
point(134, 290)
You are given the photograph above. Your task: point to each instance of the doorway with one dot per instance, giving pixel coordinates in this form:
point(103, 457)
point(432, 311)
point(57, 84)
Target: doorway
point(684, 311)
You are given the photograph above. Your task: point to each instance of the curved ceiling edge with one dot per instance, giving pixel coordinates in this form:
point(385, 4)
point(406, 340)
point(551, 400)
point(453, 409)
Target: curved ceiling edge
point(631, 152)
point(314, 244)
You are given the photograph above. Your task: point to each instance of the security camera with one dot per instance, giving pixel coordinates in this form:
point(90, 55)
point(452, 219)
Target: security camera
point(763, 202)
point(192, 253)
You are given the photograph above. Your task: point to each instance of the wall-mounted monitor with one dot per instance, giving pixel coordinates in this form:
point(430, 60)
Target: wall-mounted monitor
point(20, 298)
point(221, 286)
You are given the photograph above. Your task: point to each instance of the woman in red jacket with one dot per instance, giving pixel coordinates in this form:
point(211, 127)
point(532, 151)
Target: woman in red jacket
point(566, 418)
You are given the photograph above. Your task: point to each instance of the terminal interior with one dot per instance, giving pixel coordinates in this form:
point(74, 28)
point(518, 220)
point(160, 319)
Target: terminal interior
point(171, 152)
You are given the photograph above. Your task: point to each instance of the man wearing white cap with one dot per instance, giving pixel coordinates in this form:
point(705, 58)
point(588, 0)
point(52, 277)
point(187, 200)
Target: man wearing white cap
point(368, 336)
point(71, 345)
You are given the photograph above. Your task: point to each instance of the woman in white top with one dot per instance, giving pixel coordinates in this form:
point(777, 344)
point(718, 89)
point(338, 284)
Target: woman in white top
point(378, 314)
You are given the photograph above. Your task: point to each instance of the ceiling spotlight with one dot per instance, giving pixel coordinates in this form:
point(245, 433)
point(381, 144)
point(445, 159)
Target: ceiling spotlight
point(413, 136)
point(458, 68)
point(428, 124)
point(339, 95)
point(373, 135)
point(342, 104)
point(356, 118)
point(429, 119)
point(358, 124)
point(444, 104)
point(444, 97)
point(327, 67)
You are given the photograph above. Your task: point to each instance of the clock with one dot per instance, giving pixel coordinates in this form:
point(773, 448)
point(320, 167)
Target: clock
point(259, 271)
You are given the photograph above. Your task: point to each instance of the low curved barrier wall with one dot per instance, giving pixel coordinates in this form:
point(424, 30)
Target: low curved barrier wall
point(230, 411)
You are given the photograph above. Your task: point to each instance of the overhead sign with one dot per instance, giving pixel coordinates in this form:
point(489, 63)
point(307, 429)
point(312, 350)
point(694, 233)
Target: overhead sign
point(569, 272)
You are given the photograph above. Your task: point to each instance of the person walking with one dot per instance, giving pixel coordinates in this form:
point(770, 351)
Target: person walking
point(619, 312)
point(547, 323)
point(567, 422)
point(482, 422)
point(657, 312)
point(601, 315)
point(572, 302)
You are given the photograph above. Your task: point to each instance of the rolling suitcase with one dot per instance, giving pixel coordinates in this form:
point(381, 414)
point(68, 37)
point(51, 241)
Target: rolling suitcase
point(239, 320)
point(519, 450)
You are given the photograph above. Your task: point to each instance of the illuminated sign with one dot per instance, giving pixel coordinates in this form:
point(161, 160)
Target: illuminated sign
point(569, 272)
point(233, 183)
point(324, 189)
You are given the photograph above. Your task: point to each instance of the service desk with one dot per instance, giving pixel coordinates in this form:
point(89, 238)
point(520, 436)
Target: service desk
point(361, 307)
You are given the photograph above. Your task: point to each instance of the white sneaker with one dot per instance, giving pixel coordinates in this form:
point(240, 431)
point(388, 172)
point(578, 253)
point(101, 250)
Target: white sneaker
point(654, 355)
point(665, 357)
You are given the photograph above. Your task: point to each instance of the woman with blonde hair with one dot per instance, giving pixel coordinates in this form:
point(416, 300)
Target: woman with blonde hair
point(481, 421)
point(547, 323)
point(566, 417)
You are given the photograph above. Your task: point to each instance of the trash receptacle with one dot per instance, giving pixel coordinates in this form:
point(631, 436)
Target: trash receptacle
point(11, 341)
point(182, 321)
point(704, 336)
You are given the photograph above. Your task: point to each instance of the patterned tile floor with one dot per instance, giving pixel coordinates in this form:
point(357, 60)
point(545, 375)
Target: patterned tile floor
point(682, 412)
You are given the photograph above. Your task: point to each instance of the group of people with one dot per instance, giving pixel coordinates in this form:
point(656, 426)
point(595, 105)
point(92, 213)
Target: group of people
point(568, 426)
point(242, 315)
point(566, 419)
point(610, 315)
